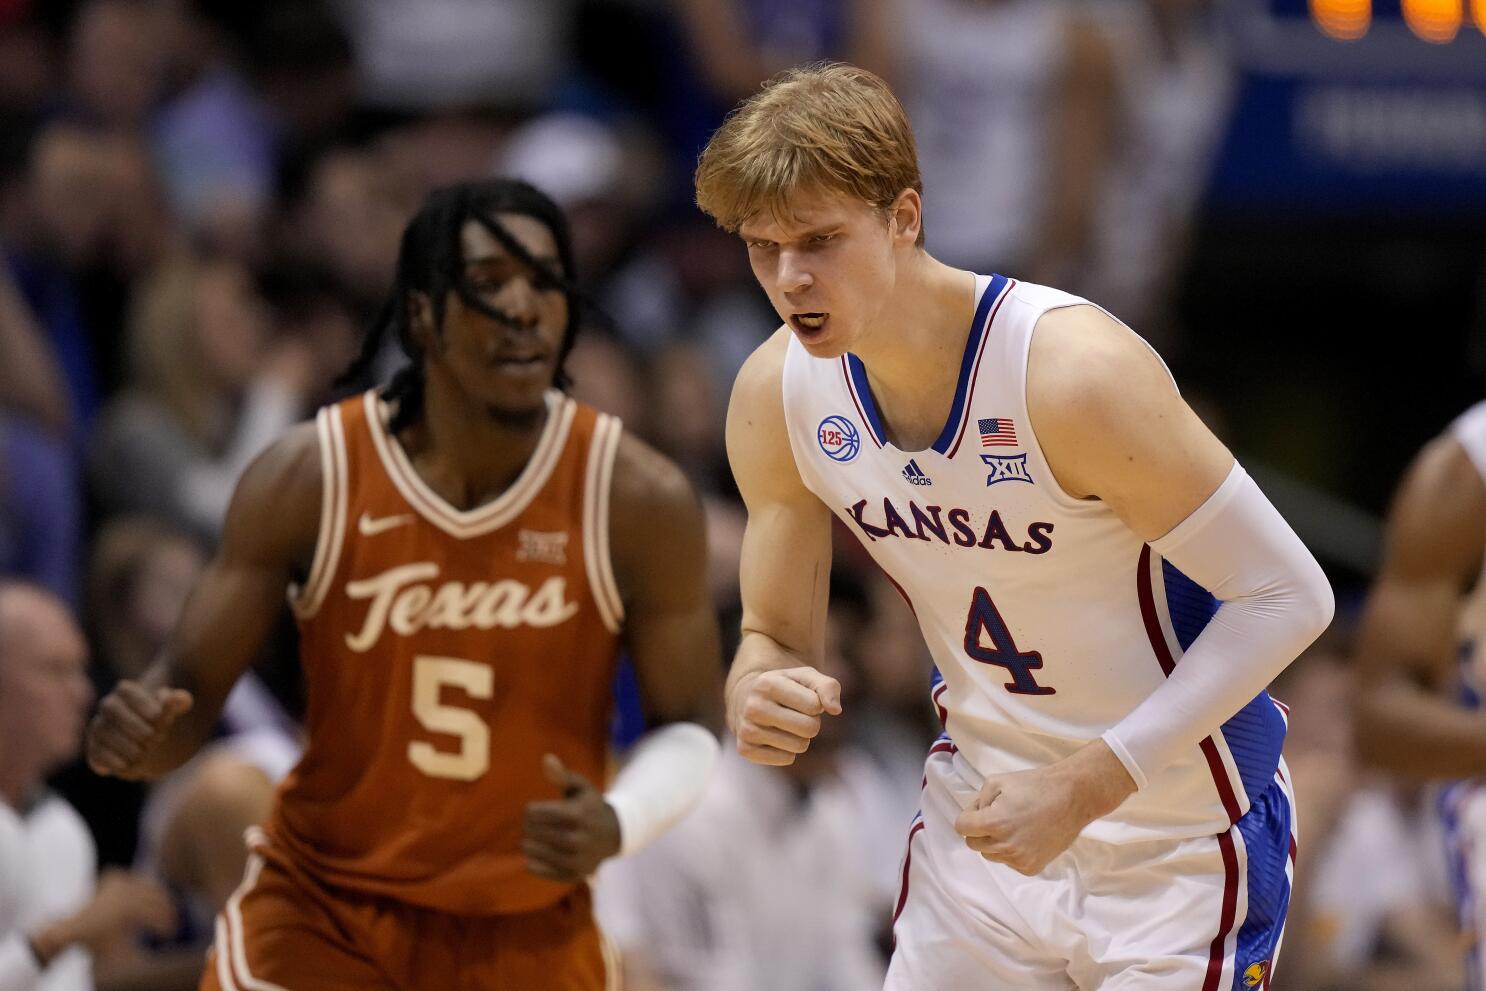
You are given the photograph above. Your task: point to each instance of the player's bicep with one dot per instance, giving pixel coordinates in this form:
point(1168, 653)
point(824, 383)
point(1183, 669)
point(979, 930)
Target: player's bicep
point(784, 574)
point(1407, 630)
point(1435, 542)
point(269, 533)
point(659, 546)
point(1114, 427)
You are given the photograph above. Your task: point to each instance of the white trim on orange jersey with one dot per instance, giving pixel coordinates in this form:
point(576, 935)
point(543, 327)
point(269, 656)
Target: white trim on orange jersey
point(306, 599)
point(597, 560)
point(466, 523)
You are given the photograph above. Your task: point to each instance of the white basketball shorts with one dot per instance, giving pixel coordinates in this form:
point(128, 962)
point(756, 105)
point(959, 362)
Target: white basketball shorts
point(1205, 912)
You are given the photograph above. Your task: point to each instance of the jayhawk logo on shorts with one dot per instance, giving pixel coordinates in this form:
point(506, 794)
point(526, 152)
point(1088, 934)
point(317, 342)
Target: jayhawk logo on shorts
point(1254, 975)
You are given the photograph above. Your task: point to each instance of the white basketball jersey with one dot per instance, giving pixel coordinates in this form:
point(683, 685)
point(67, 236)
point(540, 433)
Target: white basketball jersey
point(1469, 430)
point(1048, 618)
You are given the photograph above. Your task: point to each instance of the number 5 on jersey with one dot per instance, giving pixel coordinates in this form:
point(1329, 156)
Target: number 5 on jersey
point(984, 621)
point(430, 675)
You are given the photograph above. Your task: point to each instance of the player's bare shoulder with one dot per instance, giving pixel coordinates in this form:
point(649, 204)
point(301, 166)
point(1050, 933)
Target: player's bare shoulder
point(1437, 523)
point(1082, 359)
point(656, 523)
point(274, 516)
point(757, 433)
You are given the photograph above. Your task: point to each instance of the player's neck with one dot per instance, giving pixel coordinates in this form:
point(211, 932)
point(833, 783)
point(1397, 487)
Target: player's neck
point(914, 348)
point(466, 454)
point(18, 779)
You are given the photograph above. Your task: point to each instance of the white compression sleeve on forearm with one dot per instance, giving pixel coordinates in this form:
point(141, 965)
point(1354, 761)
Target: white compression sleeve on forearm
point(19, 969)
point(1274, 600)
point(662, 781)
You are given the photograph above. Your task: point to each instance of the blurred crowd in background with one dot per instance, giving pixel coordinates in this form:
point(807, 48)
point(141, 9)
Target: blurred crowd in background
point(200, 206)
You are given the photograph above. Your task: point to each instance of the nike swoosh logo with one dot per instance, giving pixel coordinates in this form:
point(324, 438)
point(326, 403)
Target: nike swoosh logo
point(369, 527)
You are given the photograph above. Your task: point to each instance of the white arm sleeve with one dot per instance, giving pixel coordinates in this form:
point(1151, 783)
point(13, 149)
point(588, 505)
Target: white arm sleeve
point(19, 970)
point(663, 780)
point(1275, 601)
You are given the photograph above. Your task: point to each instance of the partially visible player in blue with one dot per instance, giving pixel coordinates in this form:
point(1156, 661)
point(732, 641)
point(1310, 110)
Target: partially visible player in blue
point(1421, 652)
point(1104, 589)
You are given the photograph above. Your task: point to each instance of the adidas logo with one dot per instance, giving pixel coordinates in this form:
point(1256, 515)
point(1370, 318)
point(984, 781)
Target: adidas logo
point(915, 474)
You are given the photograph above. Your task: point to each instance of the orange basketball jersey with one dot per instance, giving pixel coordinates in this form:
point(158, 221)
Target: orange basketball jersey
point(445, 652)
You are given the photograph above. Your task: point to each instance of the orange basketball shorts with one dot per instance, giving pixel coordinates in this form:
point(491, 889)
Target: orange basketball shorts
point(283, 931)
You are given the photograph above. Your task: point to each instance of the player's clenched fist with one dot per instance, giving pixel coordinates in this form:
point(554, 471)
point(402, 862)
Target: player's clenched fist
point(776, 714)
point(129, 724)
point(566, 839)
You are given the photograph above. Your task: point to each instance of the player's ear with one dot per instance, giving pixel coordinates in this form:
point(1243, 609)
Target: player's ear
point(906, 217)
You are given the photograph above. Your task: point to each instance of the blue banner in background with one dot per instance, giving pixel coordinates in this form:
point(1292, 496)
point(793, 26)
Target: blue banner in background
point(1383, 122)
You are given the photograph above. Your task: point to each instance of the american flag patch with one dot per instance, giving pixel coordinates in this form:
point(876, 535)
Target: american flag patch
point(997, 432)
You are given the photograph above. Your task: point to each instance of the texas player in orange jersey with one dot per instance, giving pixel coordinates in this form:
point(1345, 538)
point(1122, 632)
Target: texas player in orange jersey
point(466, 551)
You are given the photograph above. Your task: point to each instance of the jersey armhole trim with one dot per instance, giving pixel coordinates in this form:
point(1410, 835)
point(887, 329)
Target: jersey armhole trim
point(306, 600)
point(1055, 489)
point(1469, 431)
point(597, 560)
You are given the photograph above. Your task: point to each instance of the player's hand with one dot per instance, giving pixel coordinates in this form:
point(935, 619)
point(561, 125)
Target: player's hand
point(129, 724)
point(566, 839)
point(124, 904)
point(1026, 818)
point(778, 713)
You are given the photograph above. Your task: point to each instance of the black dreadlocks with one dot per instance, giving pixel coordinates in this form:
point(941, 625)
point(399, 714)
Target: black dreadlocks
point(431, 261)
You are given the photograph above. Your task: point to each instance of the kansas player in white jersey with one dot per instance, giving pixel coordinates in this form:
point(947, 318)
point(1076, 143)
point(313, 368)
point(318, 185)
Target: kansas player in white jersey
point(1104, 590)
point(1421, 652)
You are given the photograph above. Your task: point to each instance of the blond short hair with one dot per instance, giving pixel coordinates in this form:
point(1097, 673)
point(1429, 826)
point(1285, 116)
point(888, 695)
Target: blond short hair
point(831, 127)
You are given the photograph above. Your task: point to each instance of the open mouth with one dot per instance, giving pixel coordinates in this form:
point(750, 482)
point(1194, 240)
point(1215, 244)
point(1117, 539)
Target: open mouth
point(809, 323)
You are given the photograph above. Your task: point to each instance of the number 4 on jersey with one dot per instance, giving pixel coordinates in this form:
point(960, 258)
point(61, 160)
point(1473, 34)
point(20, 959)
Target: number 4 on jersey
point(984, 620)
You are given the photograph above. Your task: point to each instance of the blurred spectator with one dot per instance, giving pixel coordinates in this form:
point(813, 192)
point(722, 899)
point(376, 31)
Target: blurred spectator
point(139, 232)
point(740, 43)
point(40, 502)
point(1175, 85)
point(687, 410)
point(141, 571)
point(210, 391)
point(348, 216)
point(311, 306)
point(422, 54)
point(40, 507)
point(28, 57)
point(31, 384)
point(276, 84)
point(894, 720)
point(602, 178)
point(691, 283)
point(192, 823)
point(819, 838)
point(55, 195)
point(59, 920)
point(437, 150)
point(1367, 910)
point(606, 376)
point(726, 521)
point(117, 57)
point(1012, 106)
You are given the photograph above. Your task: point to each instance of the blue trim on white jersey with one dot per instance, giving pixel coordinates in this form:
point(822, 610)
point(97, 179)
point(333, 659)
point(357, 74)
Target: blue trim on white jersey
point(1468, 692)
point(962, 387)
point(1256, 734)
point(1266, 829)
point(1456, 834)
point(1449, 803)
